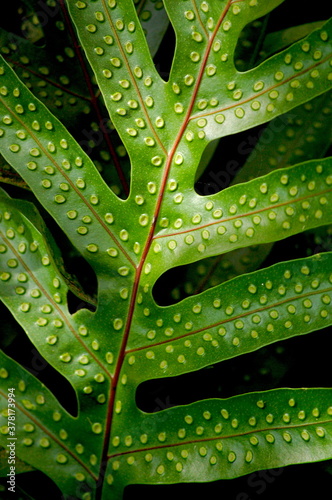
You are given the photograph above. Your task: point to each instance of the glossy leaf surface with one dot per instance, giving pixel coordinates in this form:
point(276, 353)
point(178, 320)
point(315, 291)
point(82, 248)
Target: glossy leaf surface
point(130, 338)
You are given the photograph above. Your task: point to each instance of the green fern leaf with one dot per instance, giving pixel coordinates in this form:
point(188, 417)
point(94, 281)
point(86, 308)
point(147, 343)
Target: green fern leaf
point(131, 242)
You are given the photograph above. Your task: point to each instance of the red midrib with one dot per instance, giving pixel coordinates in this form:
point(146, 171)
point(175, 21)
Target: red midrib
point(149, 240)
point(54, 304)
point(246, 314)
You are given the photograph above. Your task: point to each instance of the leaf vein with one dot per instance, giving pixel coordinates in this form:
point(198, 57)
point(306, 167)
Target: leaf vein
point(218, 438)
point(229, 320)
point(130, 72)
point(259, 94)
point(254, 212)
point(52, 301)
point(70, 182)
point(52, 436)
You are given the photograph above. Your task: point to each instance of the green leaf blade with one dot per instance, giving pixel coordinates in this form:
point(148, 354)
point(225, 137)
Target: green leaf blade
point(279, 84)
point(279, 40)
point(163, 223)
point(36, 294)
point(43, 428)
point(263, 210)
point(128, 80)
point(31, 63)
point(154, 22)
point(285, 300)
point(61, 175)
point(227, 438)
